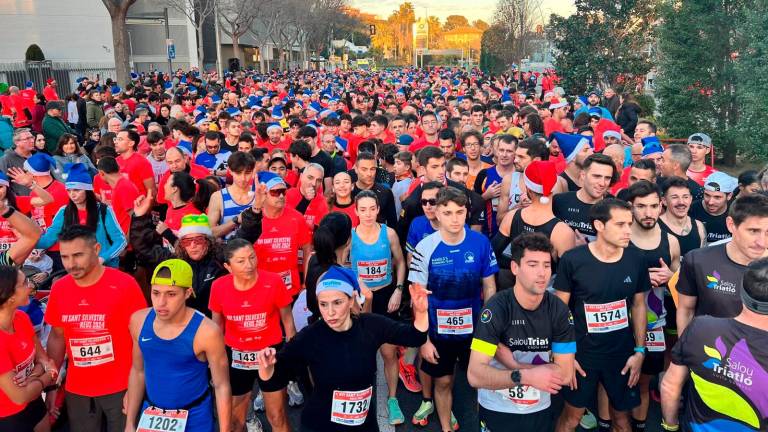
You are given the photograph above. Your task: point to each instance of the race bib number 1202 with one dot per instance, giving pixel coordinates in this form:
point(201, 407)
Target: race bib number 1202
point(158, 420)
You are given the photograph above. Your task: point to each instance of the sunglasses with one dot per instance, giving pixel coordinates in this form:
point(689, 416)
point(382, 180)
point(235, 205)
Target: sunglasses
point(277, 192)
point(189, 241)
point(431, 202)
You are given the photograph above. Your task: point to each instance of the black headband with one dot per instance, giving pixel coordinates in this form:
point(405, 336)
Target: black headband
point(756, 306)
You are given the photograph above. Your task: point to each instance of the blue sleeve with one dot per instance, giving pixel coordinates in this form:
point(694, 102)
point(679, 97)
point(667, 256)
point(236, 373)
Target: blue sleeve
point(116, 233)
point(51, 235)
point(412, 239)
point(490, 266)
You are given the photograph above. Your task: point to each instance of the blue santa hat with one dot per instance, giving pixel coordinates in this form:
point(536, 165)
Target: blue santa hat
point(185, 147)
point(338, 279)
point(341, 143)
point(192, 89)
point(651, 145)
point(580, 100)
point(81, 79)
point(274, 126)
point(115, 89)
point(596, 112)
point(505, 97)
point(29, 84)
point(571, 145)
point(183, 80)
point(168, 85)
point(200, 118)
point(315, 106)
point(134, 76)
point(4, 180)
point(215, 98)
point(39, 164)
point(233, 111)
point(277, 112)
point(78, 178)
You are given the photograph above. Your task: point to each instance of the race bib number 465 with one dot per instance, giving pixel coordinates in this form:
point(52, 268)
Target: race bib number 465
point(92, 351)
point(350, 408)
point(606, 317)
point(157, 420)
point(454, 321)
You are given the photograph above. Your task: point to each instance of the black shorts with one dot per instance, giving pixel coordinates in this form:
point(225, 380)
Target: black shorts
point(621, 397)
point(653, 363)
point(242, 381)
point(380, 302)
point(26, 419)
point(494, 421)
point(451, 353)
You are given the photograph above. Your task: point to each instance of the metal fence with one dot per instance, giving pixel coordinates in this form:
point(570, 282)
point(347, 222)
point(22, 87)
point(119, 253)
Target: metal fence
point(65, 73)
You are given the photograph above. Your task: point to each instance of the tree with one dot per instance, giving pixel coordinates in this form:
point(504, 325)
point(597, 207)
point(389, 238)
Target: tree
point(752, 85)
point(492, 48)
point(604, 42)
point(480, 25)
point(236, 18)
point(697, 83)
point(435, 32)
point(518, 19)
point(455, 21)
point(118, 11)
point(34, 53)
point(197, 12)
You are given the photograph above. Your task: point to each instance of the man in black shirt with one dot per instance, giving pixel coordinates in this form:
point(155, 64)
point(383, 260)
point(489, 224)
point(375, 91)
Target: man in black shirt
point(365, 166)
point(308, 134)
point(712, 210)
point(573, 208)
point(726, 358)
point(675, 161)
point(602, 282)
point(710, 277)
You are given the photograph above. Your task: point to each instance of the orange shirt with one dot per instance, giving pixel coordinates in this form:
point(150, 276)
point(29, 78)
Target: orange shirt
point(277, 249)
point(95, 322)
point(251, 317)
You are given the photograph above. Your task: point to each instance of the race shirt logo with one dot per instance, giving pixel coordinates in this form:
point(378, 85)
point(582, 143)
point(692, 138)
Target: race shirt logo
point(715, 282)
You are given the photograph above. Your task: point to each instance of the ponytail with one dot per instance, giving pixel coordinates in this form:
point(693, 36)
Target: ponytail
point(333, 232)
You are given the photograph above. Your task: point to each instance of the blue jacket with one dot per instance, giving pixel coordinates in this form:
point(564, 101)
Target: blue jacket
point(6, 133)
point(110, 251)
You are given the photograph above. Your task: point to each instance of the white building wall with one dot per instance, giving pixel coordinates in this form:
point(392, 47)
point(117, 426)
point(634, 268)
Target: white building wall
point(66, 30)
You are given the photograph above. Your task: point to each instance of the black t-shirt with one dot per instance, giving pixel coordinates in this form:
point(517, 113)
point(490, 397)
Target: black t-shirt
point(601, 298)
point(572, 186)
point(342, 363)
point(571, 210)
point(387, 212)
point(529, 334)
point(728, 364)
point(715, 225)
point(711, 276)
point(325, 161)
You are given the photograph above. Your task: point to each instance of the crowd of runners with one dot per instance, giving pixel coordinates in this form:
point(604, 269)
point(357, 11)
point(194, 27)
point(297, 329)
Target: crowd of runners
point(187, 248)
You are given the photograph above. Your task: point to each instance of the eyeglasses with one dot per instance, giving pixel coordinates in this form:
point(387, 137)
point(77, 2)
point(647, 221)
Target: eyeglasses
point(189, 241)
point(429, 202)
point(472, 144)
point(277, 192)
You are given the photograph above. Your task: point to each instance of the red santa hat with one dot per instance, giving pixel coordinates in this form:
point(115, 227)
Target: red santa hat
point(541, 177)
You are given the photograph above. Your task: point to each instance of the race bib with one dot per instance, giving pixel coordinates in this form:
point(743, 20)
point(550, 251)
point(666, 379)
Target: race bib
point(495, 204)
point(350, 408)
point(523, 396)
point(607, 317)
point(286, 275)
point(25, 368)
point(245, 360)
point(654, 340)
point(6, 243)
point(158, 420)
point(93, 351)
point(373, 271)
point(454, 321)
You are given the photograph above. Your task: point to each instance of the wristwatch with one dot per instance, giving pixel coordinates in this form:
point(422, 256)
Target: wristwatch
point(517, 378)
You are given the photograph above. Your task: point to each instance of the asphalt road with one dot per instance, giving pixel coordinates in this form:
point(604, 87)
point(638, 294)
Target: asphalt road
point(464, 408)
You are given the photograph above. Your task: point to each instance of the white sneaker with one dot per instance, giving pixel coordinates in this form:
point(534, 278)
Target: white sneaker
point(253, 424)
point(295, 398)
point(258, 402)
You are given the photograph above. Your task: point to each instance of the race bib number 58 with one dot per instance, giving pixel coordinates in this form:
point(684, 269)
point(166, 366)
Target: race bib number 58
point(522, 395)
point(606, 317)
point(350, 408)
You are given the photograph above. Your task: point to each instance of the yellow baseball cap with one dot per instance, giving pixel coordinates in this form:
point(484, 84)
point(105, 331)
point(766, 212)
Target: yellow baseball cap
point(181, 273)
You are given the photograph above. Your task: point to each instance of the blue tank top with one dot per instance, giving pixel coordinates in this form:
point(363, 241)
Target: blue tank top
point(372, 263)
point(230, 208)
point(174, 377)
point(492, 205)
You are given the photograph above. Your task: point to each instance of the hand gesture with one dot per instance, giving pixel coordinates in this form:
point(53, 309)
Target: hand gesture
point(429, 352)
point(576, 370)
point(142, 204)
point(660, 275)
point(161, 227)
point(259, 197)
point(267, 359)
point(419, 300)
point(19, 176)
point(493, 191)
point(545, 378)
point(633, 365)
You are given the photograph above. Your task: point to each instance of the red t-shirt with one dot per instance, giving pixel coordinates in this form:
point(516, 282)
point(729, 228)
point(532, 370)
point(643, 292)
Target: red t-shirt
point(174, 215)
point(44, 215)
point(102, 189)
point(125, 193)
point(251, 317)
point(700, 176)
point(278, 246)
point(316, 209)
point(95, 321)
point(353, 142)
point(7, 235)
point(196, 171)
point(420, 144)
point(552, 125)
point(138, 169)
point(350, 211)
point(17, 356)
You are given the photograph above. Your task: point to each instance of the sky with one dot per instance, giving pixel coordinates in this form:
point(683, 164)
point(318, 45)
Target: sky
point(472, 9)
